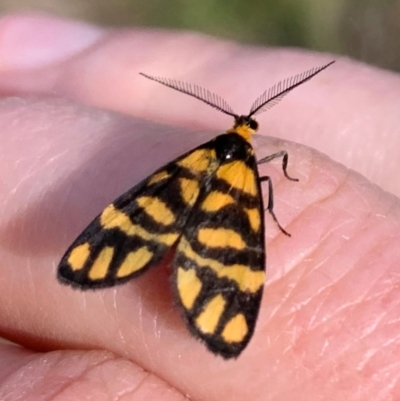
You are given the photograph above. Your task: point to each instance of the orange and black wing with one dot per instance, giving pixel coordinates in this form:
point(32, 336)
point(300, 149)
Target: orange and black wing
point(135, 231)
point(219, 265)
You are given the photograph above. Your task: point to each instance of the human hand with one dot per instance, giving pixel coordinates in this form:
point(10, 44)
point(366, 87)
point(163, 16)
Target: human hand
point(329, 318)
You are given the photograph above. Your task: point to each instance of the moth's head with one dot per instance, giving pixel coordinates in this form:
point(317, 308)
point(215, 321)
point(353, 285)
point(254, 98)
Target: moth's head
point(245, 126)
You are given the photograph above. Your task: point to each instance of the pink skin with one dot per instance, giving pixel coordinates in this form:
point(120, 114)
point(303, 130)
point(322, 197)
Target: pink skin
point(329, 323)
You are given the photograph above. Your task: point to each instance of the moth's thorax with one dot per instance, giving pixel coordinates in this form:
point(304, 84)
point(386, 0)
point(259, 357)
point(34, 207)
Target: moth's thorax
point(232, 146)
point(245, 126)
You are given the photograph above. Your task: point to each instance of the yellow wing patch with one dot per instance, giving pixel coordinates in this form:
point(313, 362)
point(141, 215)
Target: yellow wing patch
point(156, 209)
point(134, 261)
point(208, 319)
point(236, 329)
point(189, 190)
point(101, 265)
point(254, 218)
point(113, 218)
point(239, 176)
point(189, 287)
point(197, 161)
point(221, 238)
point(161, 176)
point(78, 256)
point(217, 200)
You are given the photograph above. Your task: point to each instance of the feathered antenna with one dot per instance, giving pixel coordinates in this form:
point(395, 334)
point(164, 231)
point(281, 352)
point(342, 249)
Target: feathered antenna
point(197, 92)
point(273, 95)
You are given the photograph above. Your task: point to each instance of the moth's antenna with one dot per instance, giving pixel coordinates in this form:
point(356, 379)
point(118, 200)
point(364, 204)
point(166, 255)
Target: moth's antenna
point(273, 95)
point(197, 92)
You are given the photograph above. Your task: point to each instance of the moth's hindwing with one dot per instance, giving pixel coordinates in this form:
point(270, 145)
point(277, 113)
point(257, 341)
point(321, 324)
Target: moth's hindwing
point(135, 231)
point(219, 264)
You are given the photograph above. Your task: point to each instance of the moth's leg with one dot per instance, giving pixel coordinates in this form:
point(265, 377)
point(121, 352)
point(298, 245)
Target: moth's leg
point(270, 205)
point(285, 159)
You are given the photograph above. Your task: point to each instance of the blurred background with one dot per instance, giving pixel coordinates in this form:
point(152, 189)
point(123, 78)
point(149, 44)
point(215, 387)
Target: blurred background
point(367, 30)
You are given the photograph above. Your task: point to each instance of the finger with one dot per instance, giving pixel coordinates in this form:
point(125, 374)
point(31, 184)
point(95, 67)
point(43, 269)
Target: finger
point(323, 283)
point(76, 375)
point(348, 112)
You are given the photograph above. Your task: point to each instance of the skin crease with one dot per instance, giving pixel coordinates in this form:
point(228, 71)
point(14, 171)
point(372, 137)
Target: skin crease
point(74, 138)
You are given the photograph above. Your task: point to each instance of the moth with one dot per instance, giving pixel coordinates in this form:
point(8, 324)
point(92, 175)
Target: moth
point(207, 205)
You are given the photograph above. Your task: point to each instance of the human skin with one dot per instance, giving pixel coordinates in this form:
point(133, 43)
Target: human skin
point(74, 138)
